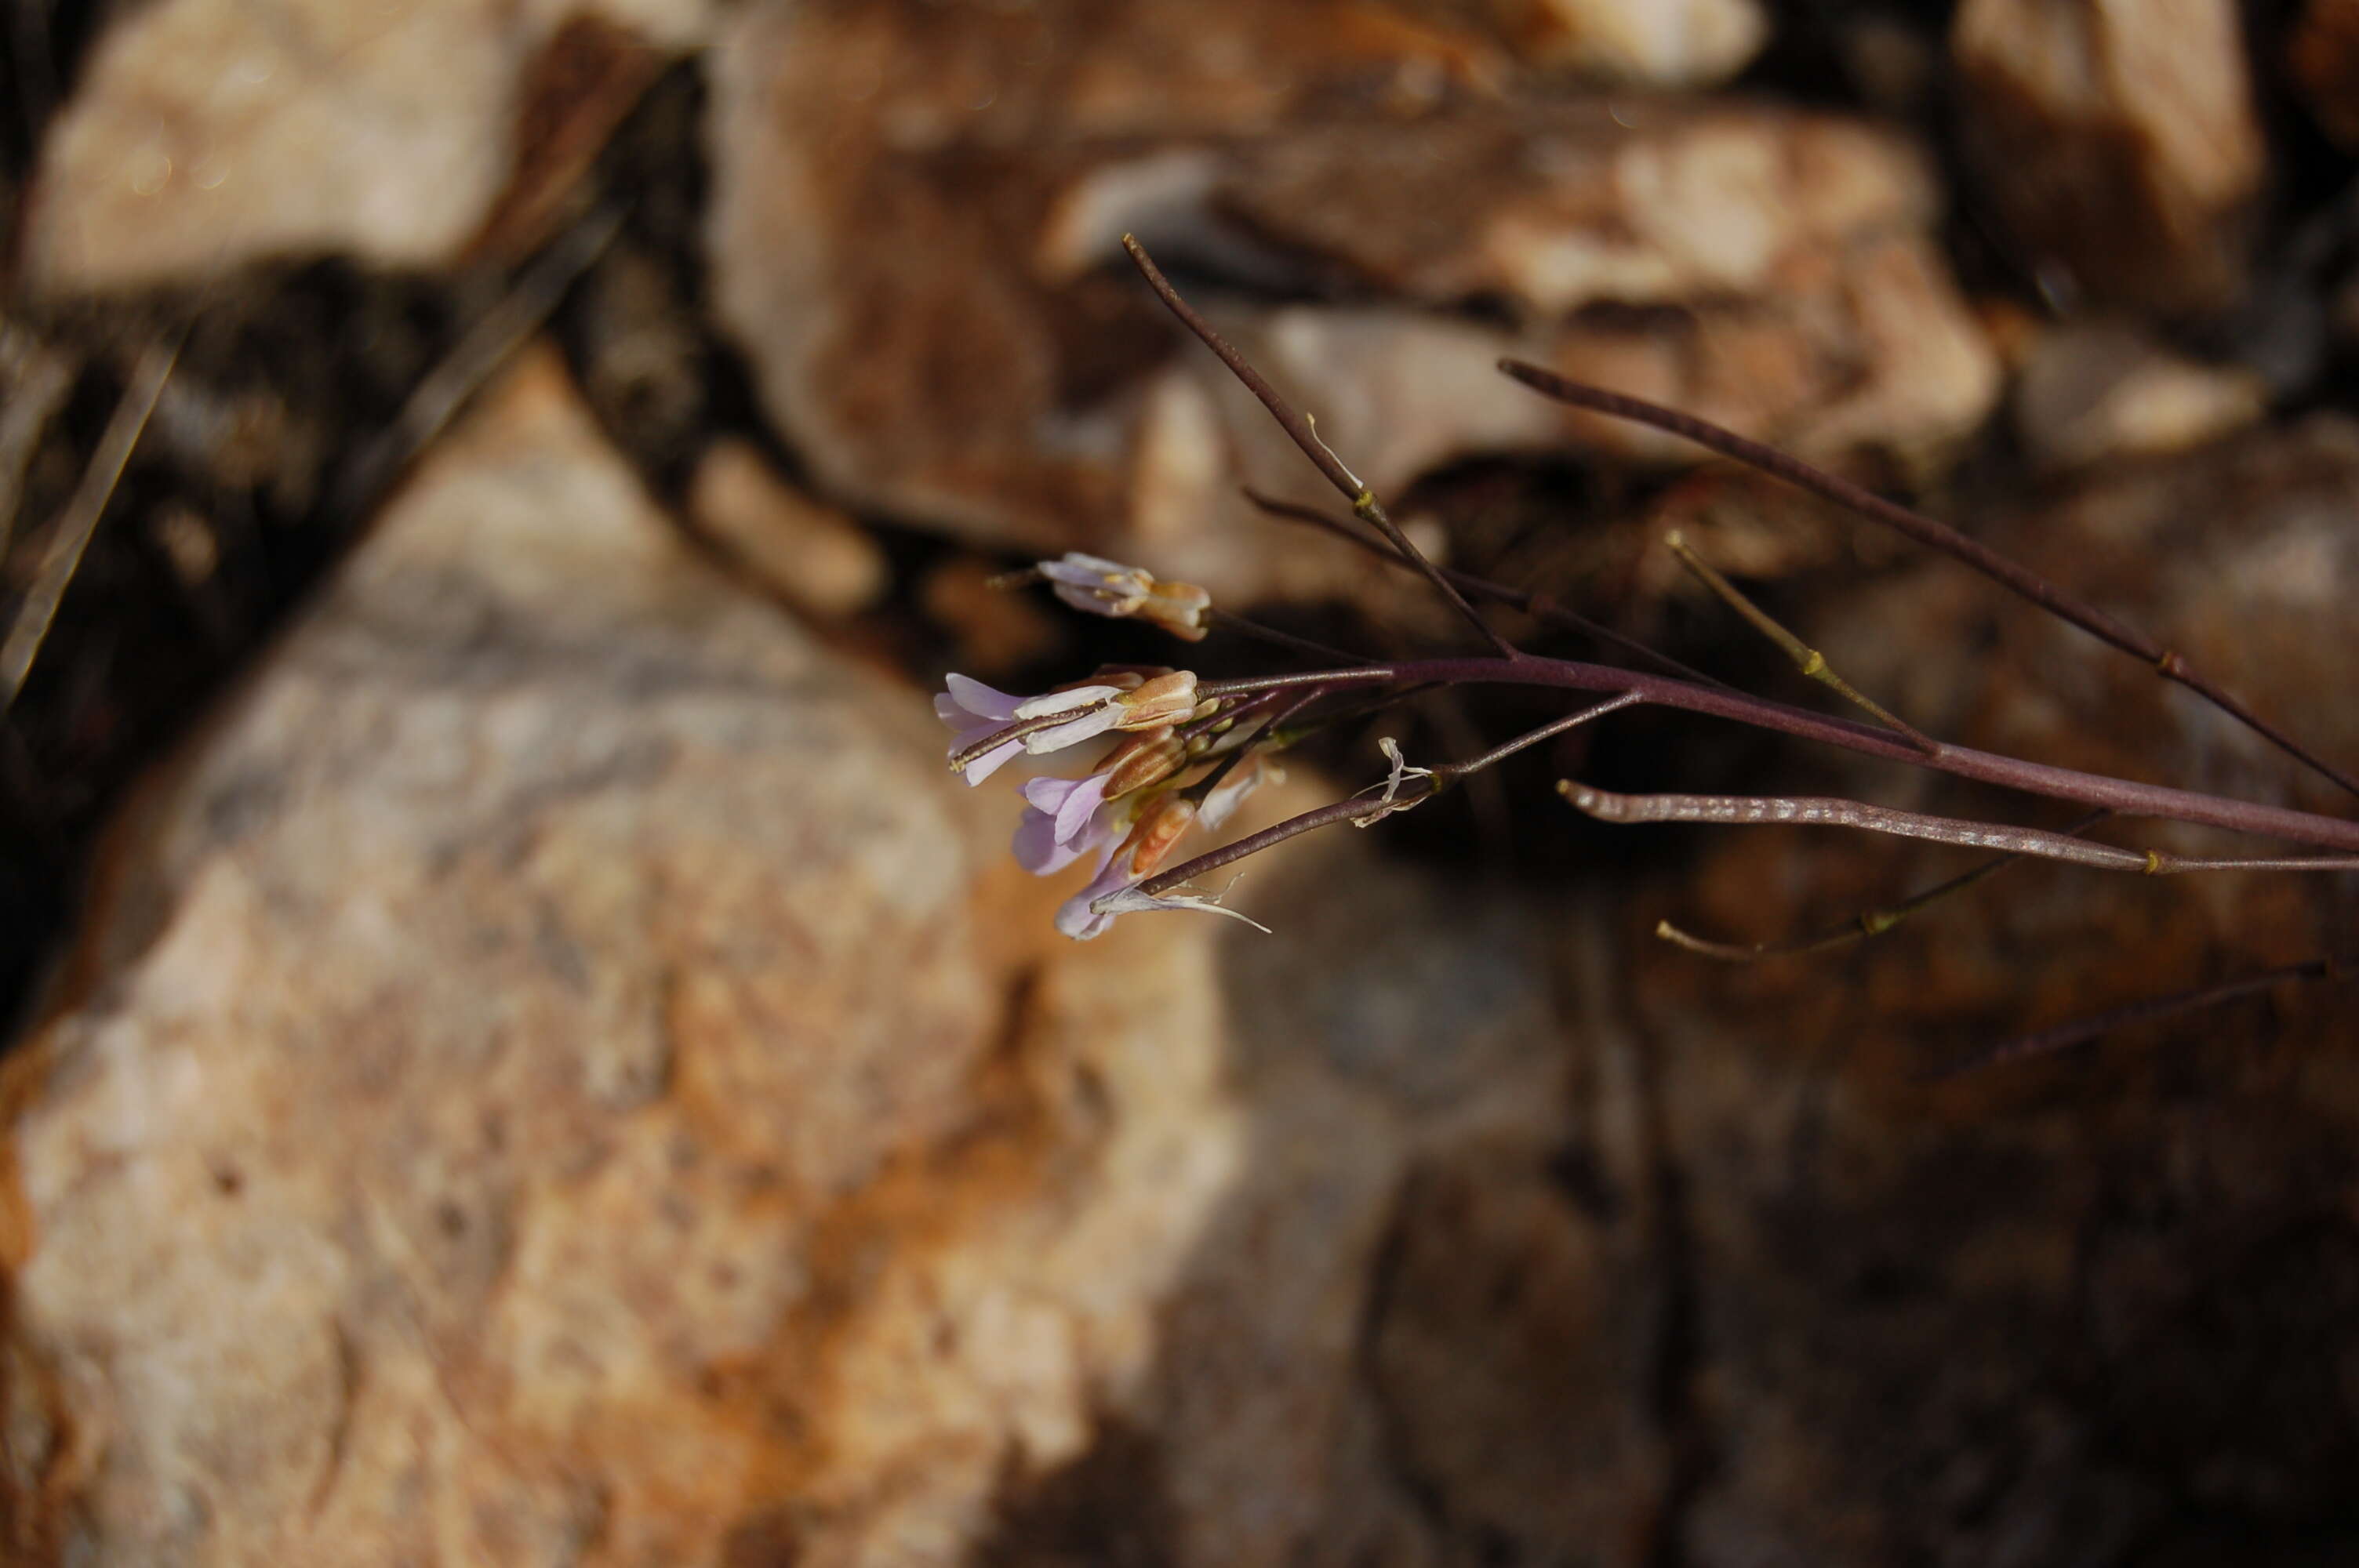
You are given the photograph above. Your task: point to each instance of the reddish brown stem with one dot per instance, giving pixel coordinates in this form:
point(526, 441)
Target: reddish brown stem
point(2009, 772)
point(2064, 1036)
point(1928, 532)
point(1537, 605)
point(1298, 428)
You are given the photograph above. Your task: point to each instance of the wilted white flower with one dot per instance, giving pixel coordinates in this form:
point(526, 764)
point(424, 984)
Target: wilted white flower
point(1130, 901)
point(1100, 586)
point(1096, 585)
point(1389, 802)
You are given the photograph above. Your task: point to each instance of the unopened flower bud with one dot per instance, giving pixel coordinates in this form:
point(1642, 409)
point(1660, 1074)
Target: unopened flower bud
point(1166, 699)
point(1147, 758)
point(1179, 608)
point(1097, 586)
point(1161, 823)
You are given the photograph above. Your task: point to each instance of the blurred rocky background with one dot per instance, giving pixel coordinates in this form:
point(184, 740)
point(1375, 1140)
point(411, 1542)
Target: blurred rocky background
point(522, 1055)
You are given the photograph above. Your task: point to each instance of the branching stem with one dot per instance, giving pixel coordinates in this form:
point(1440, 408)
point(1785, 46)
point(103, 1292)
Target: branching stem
point(1928, 532)
point(1301, 430)
point(2123, 795)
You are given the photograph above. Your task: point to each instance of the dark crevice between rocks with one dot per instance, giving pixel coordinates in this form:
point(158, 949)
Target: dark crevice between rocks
point(1678, 1349)
point(1411, 1482)
point(1108, 1507)
point(275, 442)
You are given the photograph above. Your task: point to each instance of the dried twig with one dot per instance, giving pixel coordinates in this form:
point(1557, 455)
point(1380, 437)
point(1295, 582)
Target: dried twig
point(80, 520)
point(488, 344)
point(41, 385)
point(2080, 1032)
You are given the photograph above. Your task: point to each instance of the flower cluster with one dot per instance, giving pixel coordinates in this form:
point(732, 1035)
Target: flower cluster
point(1138, 798)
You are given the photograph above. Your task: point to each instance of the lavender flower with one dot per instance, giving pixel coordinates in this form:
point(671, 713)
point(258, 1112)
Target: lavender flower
point(1065, 820)
point(1161, 823)
point(975, 712)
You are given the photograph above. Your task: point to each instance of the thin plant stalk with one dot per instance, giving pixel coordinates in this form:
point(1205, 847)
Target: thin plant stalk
point(1811, 663)
point(1929, 532)
point(1859, 927)
point(2122, 795)
point(1299, 428)
point(2081, 1031)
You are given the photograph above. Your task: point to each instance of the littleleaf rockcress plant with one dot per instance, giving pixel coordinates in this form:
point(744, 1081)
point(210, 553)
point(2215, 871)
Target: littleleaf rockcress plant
point(1185, 751)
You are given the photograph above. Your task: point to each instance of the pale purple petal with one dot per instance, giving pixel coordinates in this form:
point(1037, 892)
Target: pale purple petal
point(1069, 801)
point(985, 702)
point(966, 726)
point(1230, 792)
point(1076, 919)
point(990, 763)
point(1081, 570)
point(1039, 850)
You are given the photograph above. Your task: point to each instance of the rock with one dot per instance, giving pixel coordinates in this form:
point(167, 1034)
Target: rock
point(1553, 206)
point(1034, 397)
point(2117, 142)
point(206, 134)
point(508, 1047)
point(1695, 43)
point(2323, 57)
point(814, 555)
point(2092, 392)
point(560, 1074)
point(1876, 357)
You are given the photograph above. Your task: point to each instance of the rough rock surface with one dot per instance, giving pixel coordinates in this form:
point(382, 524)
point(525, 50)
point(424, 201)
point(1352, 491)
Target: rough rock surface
point(561, 1076)
point(1780, 262)
point(812, 556)
point(211, 132)
point(2100, 390)
point(1660, 43)
point(2118, 142)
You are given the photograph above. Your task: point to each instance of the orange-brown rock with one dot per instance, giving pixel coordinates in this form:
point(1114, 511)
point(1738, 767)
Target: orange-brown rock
point(2323, 53)
point(561, 1074)
point(1377, 210)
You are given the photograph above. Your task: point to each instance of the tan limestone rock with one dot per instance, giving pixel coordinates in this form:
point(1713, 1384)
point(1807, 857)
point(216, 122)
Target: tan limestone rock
point(562, 1074)
point(1690, 43)
point(206, 133)
point(811, 553)
point(2118, 141)
point(1034, 396)
point(2099, 391)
